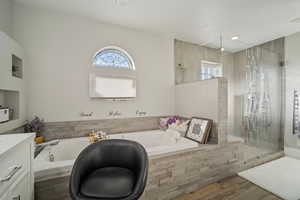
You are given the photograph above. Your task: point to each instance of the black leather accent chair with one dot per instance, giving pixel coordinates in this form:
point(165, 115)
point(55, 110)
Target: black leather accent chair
point(110, 169)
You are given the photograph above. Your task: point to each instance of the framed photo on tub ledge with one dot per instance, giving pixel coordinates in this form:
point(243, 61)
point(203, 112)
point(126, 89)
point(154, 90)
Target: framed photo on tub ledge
point(199, 129)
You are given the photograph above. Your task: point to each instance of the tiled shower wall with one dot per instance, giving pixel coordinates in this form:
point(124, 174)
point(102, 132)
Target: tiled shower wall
point(292, 74)
point(190, 55)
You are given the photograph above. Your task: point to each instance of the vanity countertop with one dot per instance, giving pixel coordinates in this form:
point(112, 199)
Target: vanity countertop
point(9, 141)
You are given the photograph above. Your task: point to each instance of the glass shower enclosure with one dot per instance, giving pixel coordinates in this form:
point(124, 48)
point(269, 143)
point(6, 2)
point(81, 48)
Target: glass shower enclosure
point(258, 97)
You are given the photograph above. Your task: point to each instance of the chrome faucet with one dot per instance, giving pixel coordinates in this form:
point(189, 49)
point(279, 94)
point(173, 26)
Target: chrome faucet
point(83, 114)
point(140, 113)
point(102, 135)
point(51, 157)
point(114, 113)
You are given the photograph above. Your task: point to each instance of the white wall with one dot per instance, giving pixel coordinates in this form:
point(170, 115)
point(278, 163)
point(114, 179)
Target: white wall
point(59, 49)
point(7, 47)
point(6, 16)
point(9, 83)
point(198, 98)
point(207, 99)
point(1, 97)
point(292, 53)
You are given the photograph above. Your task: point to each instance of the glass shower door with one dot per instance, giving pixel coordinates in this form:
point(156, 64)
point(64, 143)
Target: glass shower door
point(258, 98)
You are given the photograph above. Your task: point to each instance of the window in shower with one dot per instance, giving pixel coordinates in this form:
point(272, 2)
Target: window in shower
point(209, 70)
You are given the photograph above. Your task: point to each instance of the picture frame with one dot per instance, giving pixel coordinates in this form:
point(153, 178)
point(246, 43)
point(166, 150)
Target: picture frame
point(199, 129)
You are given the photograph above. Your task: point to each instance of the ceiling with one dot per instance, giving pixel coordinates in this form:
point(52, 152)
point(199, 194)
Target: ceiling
point(197, 21)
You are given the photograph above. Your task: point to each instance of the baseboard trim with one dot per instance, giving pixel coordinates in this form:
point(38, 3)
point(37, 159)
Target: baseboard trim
point(292, 152)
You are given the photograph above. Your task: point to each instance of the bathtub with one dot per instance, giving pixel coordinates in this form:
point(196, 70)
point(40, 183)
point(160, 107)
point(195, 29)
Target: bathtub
point(156, 143)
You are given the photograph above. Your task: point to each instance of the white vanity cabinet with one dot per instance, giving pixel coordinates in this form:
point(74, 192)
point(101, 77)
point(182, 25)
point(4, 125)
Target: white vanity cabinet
point(19, 190)
point(16, 160)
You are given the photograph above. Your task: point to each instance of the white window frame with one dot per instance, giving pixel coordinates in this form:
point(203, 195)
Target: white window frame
point(111, 72)
point(208, 75)
point(118, 49)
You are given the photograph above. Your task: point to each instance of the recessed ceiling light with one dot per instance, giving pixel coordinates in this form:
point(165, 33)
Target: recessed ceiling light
point(235, 38)
point(295, 20)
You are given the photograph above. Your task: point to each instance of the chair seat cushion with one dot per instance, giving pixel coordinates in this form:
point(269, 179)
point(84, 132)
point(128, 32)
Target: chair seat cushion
point(108, 182)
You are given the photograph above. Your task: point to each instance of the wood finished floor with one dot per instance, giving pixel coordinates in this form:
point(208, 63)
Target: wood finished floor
point(233, 188)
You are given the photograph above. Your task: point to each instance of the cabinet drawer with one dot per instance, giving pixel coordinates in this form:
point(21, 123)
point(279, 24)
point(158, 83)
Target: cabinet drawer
point(19, 190)
point(14, 164)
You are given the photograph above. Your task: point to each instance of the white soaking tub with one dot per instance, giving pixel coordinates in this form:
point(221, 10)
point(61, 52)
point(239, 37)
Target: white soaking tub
point(156, 142)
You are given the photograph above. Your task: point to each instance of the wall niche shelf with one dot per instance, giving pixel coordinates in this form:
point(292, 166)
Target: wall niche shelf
point(11, 99)
point(17, 66)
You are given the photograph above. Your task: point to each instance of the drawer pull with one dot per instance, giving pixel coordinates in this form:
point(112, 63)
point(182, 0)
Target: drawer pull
point(13, 171)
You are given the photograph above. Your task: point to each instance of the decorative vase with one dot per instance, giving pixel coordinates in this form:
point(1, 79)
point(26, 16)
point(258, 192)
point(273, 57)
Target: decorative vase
point(39, 140)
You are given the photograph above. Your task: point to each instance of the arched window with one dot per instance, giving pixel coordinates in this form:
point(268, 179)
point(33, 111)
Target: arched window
point(113, 75)
point(113, 57)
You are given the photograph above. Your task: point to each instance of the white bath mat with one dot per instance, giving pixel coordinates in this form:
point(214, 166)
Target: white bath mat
point(281, 177)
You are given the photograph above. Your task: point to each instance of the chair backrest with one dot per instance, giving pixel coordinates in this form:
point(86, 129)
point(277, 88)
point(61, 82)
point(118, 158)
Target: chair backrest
point(111, 153)
point(118, 153)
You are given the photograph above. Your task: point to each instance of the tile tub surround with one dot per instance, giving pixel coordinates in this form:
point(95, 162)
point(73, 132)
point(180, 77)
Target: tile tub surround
point(156, 142)
point(178, 173)
point(71, 129)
